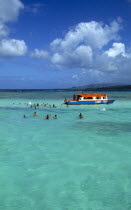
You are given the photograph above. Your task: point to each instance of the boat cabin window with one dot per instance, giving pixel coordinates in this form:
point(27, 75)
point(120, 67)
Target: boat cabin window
point(88, 97)
point(78, 97)
point(98, 97)
point(104, 97)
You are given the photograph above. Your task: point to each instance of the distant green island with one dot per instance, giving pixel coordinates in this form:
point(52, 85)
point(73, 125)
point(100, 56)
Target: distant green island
point(103, 87)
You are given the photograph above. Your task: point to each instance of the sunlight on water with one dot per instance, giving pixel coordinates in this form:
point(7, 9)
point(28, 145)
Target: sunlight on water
point(68, 163)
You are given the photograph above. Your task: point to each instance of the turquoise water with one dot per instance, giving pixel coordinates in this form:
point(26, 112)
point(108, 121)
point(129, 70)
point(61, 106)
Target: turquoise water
point(68, 163)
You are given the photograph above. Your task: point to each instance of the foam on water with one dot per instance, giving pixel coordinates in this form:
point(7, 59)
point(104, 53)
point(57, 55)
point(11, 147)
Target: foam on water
point(68, 163)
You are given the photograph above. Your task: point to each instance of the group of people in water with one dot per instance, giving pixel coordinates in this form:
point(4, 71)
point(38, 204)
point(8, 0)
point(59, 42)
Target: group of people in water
point(37, 105)
point(47, 117)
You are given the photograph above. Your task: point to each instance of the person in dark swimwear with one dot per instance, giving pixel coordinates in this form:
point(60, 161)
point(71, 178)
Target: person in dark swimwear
point(35, 114)
point(80, 116)
point(47, 117)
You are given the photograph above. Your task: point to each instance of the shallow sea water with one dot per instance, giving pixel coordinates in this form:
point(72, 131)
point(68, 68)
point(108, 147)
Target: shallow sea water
point(68, 163)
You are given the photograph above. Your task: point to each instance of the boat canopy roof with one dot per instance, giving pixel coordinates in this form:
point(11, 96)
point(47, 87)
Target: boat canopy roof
point(91, 94)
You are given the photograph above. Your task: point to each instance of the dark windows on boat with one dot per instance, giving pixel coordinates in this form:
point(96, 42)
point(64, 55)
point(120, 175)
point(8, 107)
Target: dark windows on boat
point(98, 97)
point(88, 97)
point(104, 97)
point(78, 97)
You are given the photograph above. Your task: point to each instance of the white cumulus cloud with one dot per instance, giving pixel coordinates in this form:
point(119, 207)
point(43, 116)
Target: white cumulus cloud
point(81, 57)
point(40, 54)
point(81, 43)
point(4, 30)
point(117, 49)
point(93, 33)
point(9, 9)
point(83, 48)
point(12, 47)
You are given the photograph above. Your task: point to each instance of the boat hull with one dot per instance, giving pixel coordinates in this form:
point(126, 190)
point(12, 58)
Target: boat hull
point(93, 102)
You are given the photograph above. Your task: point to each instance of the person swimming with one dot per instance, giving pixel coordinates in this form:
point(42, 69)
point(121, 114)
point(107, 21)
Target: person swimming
point(80, 116)
point(53, 105)
point(47, 117)
point(55, 117)
point(35, 114)
point(24, 116)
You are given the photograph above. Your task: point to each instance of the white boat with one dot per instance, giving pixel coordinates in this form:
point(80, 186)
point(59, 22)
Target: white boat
point(89, 99)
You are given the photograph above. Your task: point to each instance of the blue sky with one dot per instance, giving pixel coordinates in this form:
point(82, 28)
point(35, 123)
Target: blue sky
point(64, 43)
